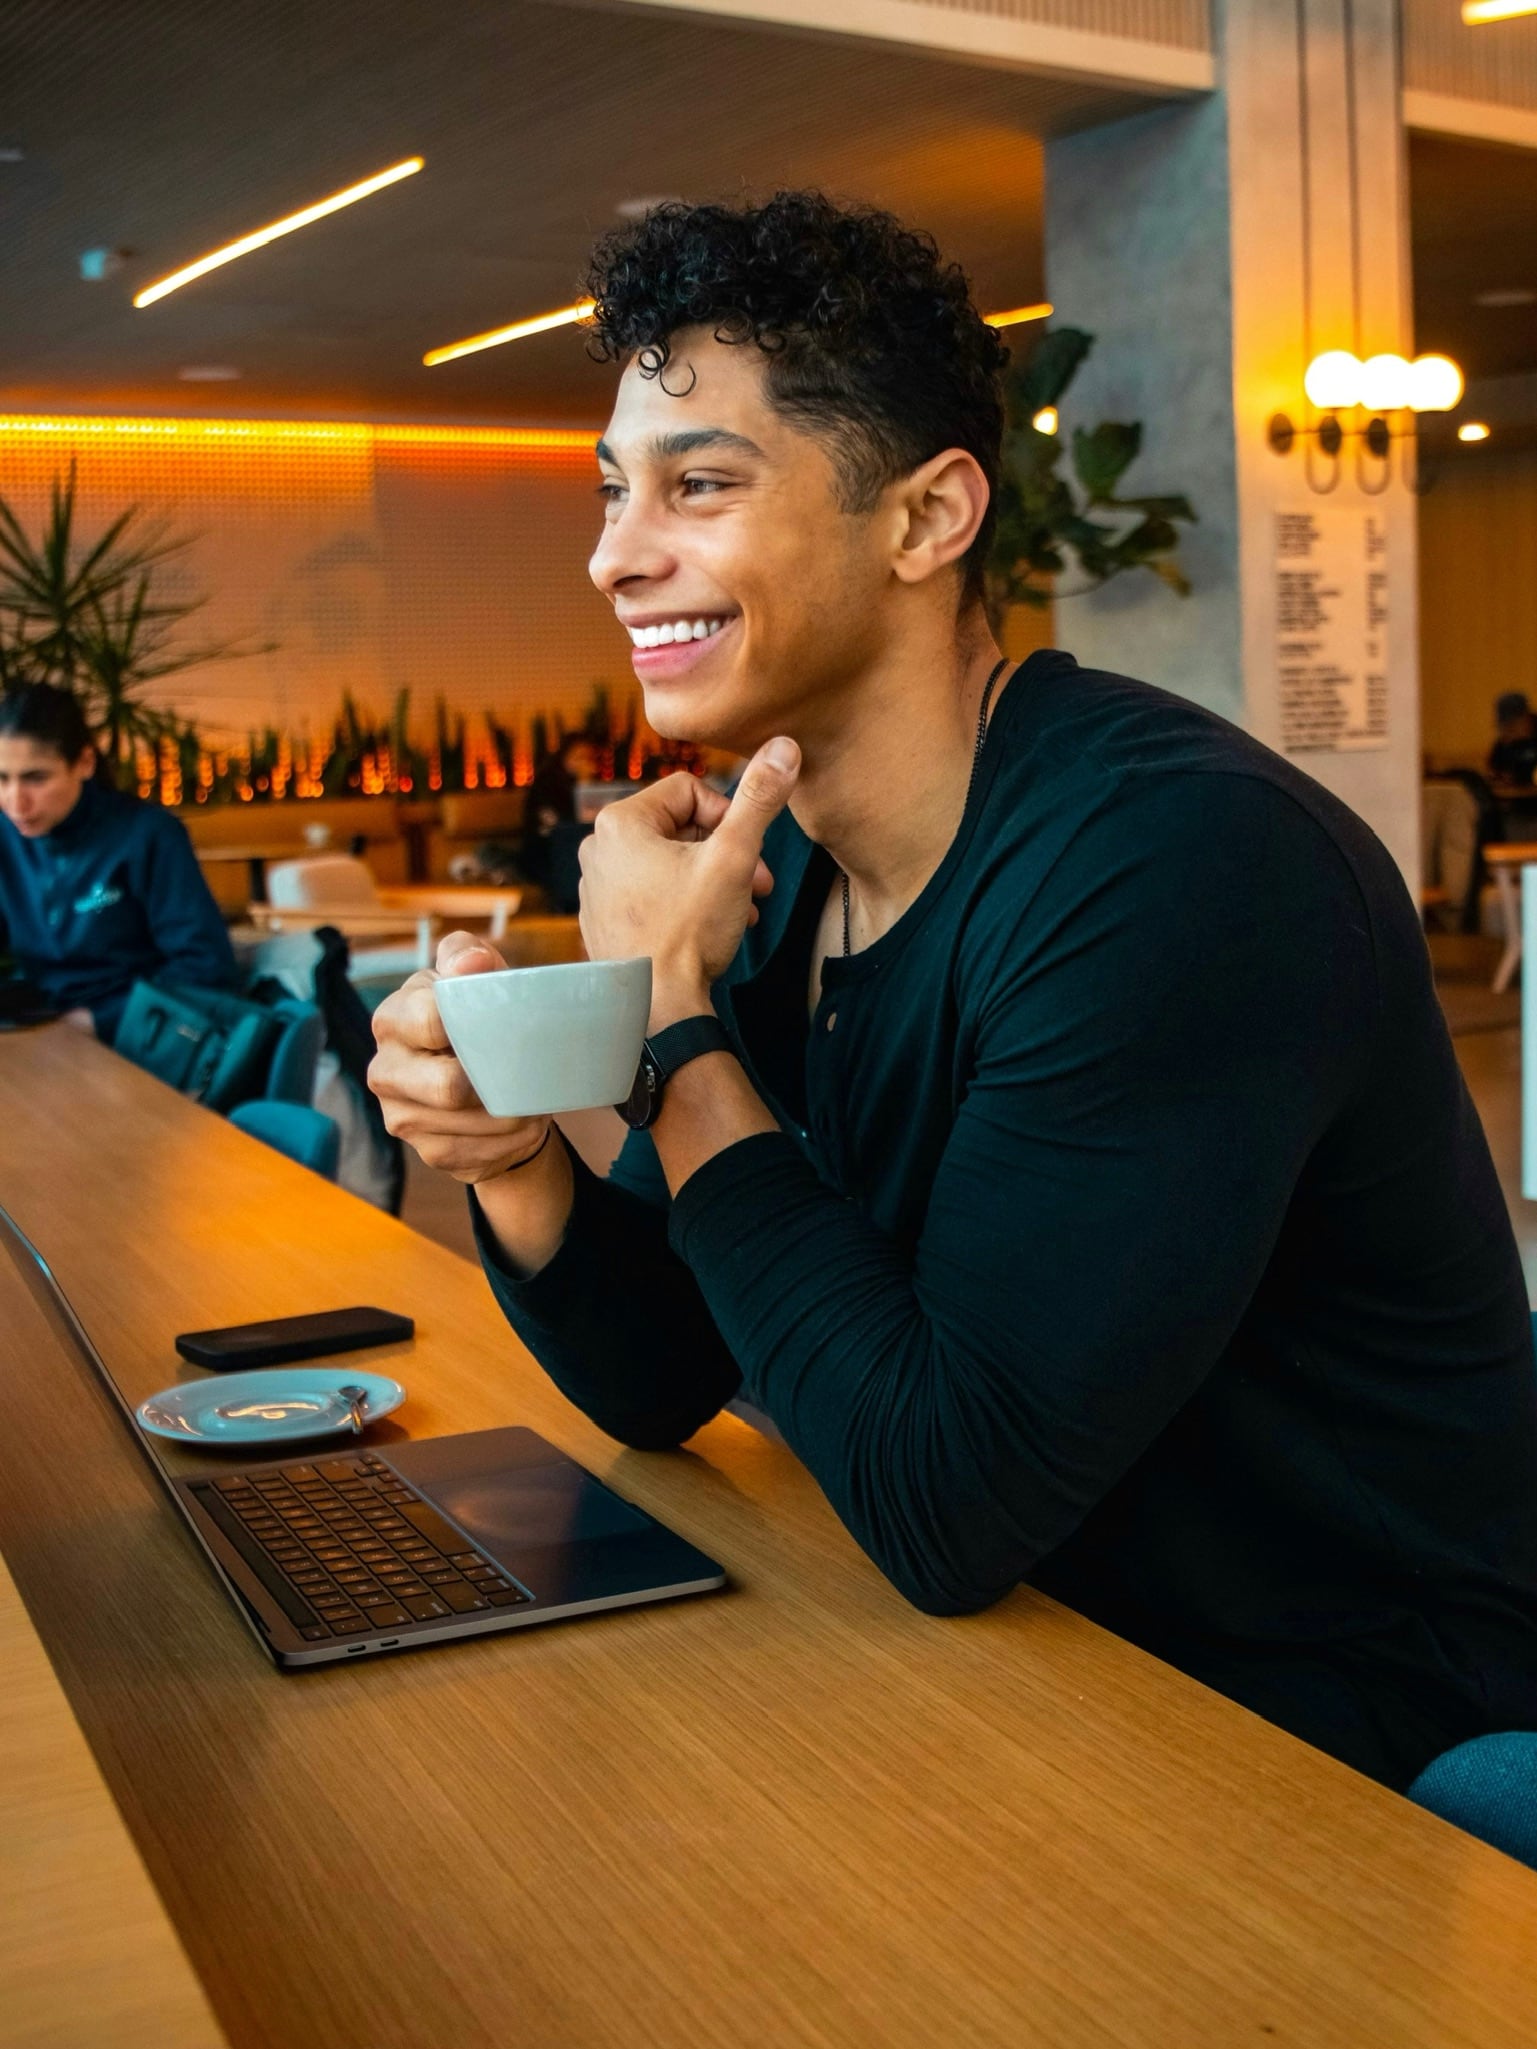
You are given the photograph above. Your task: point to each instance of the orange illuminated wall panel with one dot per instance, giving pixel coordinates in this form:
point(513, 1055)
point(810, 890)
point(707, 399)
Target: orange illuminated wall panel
point(362, 559)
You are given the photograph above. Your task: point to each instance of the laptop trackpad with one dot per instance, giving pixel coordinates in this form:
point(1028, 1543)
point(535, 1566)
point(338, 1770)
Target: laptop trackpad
point(512, 1492)
point(534, 1508)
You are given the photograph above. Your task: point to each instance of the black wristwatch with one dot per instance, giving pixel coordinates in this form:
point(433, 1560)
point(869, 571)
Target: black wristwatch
point(660, 1059)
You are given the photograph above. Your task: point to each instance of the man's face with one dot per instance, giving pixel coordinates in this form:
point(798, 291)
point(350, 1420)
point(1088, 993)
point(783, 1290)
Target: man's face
point(38, 787)
point(723, 519)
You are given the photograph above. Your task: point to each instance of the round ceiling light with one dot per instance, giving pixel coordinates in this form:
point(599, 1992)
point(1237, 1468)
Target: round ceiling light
point(1472, 430)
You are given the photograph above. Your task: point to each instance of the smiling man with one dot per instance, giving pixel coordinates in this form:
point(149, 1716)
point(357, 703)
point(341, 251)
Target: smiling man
point(1050, 1123)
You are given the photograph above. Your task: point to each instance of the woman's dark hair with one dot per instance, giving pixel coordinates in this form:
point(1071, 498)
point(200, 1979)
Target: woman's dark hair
point(48, 715)
point(870, 337)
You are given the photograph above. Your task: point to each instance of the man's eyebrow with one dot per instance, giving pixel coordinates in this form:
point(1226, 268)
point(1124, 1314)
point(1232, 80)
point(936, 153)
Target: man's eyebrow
point(686, 441)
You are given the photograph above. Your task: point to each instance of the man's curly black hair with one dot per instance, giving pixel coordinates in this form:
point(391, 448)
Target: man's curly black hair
point(870, 338)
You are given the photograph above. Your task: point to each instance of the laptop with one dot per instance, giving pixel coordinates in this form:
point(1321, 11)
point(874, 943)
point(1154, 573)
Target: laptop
point(352, 1549)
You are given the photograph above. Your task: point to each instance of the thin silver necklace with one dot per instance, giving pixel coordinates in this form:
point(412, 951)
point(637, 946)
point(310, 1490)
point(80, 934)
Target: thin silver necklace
point(976, 758)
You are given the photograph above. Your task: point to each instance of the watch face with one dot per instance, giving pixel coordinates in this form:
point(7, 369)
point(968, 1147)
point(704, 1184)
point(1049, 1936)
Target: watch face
point(640, 1106)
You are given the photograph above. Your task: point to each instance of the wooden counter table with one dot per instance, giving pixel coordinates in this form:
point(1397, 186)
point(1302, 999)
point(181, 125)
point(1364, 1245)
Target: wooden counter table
point(796, 1813)
point(86, 1952)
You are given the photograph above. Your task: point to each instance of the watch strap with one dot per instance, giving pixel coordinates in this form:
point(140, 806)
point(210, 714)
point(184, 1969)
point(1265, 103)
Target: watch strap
point(678, 1044)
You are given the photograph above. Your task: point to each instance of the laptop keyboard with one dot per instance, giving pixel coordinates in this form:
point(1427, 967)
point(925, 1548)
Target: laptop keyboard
point(346, 1547)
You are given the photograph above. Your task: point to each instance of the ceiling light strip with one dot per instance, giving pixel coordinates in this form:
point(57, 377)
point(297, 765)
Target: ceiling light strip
point(567, 316)
point(1476, 11)
point(286, 226)
point(1042, 311)
point(564, 316)
point(331, 433)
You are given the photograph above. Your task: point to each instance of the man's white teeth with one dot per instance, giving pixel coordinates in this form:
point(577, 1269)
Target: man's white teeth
point(682, 629)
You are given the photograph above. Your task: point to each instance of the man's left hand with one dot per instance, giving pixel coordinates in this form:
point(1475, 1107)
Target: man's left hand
point(672, 872)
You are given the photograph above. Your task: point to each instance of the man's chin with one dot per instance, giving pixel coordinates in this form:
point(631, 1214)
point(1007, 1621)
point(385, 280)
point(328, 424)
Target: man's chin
point(688, 725)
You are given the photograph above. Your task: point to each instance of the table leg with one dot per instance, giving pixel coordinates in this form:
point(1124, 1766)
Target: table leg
point(415, 836)
point(1529, 1053)
point(1510, 917)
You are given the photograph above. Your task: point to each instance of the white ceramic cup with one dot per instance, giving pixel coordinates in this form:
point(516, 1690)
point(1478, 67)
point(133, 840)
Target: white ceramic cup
point(534, 1041)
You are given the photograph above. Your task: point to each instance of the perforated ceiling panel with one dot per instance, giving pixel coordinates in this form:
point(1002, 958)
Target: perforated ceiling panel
point(1495, 61)
point(168, 128)
point(1181, 24)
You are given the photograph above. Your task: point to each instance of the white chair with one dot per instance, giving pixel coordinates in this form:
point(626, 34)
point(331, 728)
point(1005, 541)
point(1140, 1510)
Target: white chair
point(1508, 861)
point(339, 890)
point(591, 798)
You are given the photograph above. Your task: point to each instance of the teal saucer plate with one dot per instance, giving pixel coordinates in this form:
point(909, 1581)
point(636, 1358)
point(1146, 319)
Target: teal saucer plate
point(275, 1405)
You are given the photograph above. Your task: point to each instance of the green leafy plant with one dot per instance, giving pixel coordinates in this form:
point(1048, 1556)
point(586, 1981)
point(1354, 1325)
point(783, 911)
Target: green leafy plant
point(83, 615)
point(1049, 527)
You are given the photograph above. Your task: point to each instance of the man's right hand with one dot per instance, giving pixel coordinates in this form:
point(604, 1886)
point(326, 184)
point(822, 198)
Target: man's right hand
point(426, 1094)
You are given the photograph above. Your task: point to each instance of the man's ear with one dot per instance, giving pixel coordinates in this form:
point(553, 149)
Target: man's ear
point(939, 508)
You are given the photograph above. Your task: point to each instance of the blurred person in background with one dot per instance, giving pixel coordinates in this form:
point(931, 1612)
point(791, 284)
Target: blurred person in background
point(98, 890)
point(551, 801)
point(1513, 757)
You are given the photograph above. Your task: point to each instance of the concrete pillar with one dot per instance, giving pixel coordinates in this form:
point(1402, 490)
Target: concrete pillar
point(1177, 239)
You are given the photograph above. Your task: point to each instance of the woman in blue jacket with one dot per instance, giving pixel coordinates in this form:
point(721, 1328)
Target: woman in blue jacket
point(98, 890)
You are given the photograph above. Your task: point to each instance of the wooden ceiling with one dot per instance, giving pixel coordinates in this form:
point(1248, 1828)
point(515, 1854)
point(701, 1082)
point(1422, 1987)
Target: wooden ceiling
point(167, 129)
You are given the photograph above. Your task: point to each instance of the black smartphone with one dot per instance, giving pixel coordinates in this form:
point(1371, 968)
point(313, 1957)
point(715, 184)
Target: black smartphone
point(283, 1338)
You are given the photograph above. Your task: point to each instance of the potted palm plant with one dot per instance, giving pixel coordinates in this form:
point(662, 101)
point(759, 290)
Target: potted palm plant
point(84, 615)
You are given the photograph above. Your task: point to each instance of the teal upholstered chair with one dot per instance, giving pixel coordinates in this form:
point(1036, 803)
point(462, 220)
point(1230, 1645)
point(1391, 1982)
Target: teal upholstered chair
point(291, 1077)
point(305, 1135)
point(1488, 1786)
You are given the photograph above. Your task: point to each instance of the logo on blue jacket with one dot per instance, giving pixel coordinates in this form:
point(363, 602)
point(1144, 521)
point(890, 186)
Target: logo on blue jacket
point(100, 897)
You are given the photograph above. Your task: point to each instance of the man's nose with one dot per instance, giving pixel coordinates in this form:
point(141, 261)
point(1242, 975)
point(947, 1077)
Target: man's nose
point(630, 549)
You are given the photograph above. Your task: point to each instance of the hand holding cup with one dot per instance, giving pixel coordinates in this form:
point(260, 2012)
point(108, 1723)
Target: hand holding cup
point(427, 1098)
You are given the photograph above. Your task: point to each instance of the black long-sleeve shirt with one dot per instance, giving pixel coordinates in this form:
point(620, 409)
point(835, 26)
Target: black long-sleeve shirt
point(112, 895)
point(1130, 1231)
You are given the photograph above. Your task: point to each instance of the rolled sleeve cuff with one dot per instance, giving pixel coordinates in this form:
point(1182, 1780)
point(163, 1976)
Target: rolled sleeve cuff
point(548, 1296)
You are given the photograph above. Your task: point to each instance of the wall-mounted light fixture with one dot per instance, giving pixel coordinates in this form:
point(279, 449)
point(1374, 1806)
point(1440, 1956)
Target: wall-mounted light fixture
point(1045, 421)
point(1339, 382)
point(1369, 400)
